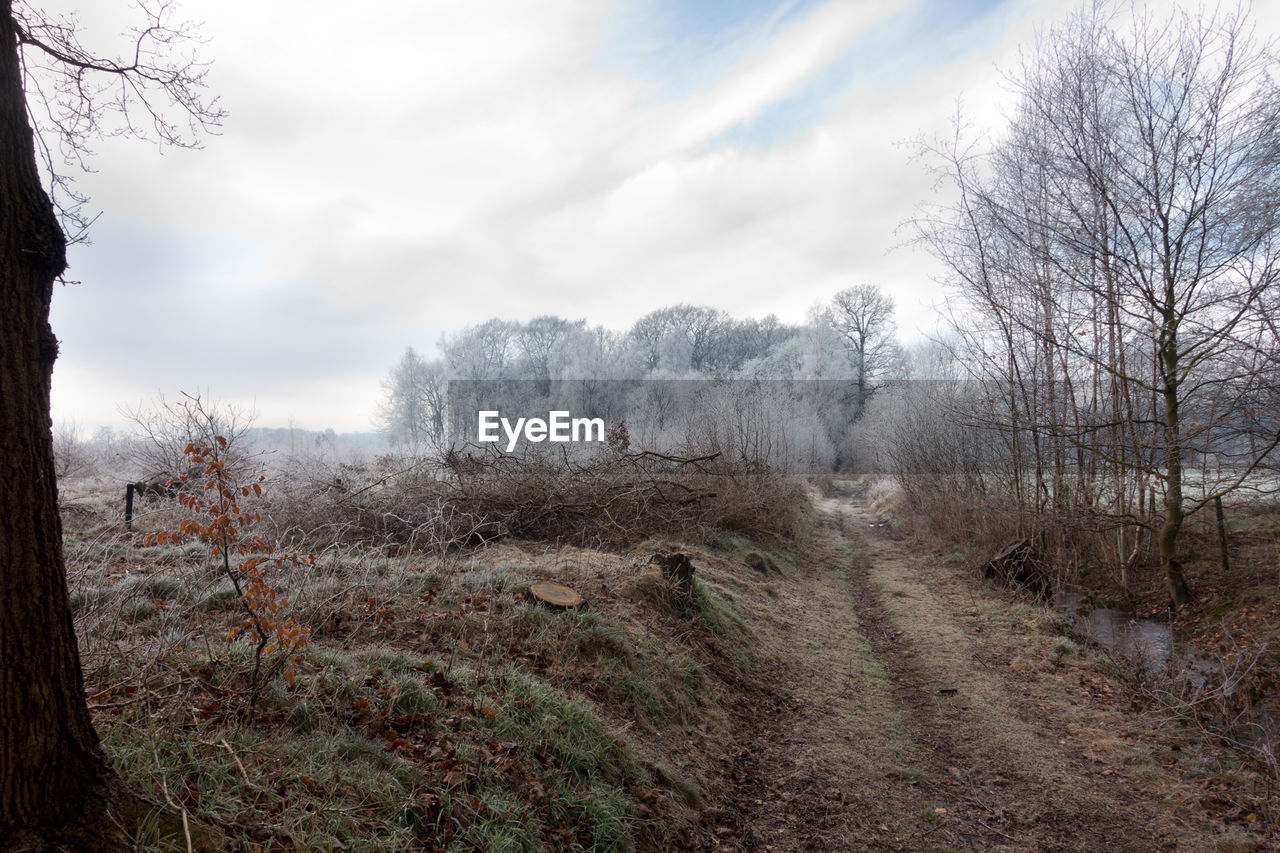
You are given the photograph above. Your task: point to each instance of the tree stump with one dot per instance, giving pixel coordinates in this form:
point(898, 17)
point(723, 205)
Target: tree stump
point(556, 596)
point(676, 568)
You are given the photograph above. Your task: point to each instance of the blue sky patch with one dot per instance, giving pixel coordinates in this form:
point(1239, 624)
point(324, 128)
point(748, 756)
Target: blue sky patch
point(682, 47)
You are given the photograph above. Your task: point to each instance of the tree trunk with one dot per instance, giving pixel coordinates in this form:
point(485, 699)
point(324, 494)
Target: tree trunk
point(56, 785)
point(1167, 538)
point(50, 758)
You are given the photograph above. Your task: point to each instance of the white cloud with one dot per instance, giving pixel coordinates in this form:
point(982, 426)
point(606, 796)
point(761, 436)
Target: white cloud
point(392, 171)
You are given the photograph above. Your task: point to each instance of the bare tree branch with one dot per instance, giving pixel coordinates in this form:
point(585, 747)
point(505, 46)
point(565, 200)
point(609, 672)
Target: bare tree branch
point(156, 91)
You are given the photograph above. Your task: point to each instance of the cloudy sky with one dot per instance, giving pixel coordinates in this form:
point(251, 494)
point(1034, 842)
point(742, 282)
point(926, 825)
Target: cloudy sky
point(396, 169)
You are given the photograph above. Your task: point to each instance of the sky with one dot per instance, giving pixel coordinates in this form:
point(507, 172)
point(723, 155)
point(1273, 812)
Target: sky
point(392, 174)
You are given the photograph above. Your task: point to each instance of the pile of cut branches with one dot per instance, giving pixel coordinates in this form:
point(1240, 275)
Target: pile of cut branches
point(475, 494)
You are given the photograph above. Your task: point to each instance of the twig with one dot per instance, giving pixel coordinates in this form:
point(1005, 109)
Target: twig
point(164, 789)
point(223, 743)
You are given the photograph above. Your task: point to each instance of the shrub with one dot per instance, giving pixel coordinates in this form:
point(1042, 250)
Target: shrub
point(223, 526)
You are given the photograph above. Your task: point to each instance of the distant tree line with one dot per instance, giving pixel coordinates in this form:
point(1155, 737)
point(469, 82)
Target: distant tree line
point(639, 375)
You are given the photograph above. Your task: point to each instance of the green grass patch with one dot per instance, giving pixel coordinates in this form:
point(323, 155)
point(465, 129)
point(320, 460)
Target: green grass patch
point(636, 675)
point(381, 750)
point(718, 616)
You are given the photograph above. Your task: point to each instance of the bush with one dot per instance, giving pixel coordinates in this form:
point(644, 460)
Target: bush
point(165, 430)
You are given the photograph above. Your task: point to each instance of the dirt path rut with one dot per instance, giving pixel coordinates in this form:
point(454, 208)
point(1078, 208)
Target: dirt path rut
point(907, 710)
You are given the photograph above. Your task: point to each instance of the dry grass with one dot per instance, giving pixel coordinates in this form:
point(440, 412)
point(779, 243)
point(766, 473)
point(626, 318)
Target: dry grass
point(438, 705)
point(996, 647)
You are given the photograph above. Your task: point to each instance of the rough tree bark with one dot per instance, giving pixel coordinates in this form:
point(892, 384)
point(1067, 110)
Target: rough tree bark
point(56, 785)
point(50, 758)
point(1174, 510)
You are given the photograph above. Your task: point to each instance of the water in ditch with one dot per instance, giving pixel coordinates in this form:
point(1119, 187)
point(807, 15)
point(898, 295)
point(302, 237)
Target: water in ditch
point(1146, 644)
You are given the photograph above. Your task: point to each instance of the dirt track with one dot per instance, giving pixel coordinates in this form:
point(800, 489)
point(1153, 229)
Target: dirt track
point(908, 710)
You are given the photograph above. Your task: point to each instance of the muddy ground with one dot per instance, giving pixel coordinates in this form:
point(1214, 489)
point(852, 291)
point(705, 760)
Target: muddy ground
point(902, 705)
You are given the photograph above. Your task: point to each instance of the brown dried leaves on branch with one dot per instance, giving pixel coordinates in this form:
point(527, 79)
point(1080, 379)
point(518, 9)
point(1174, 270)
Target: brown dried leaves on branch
point(218, 520)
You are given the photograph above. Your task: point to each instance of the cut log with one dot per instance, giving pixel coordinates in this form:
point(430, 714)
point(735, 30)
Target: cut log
point(1021, 565)
point(556, 595)
point(1020, 548)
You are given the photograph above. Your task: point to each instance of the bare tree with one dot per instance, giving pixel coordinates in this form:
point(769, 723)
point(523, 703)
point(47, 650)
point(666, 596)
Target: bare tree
point(157, 451)
point(412, 412)
point(863, 317)
point(1116, 253)
point(682, 338)
point(57, 788)
point(71, 454)
point(76, 96)
point(536, 342)
point(587, 364)
point(486, 351)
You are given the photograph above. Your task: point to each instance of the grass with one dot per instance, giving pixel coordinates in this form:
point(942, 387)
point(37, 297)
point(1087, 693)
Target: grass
point(719, 617)
point(437, 705)
point(376, 750)
point(638, 676)
point(878, 718)
point(324, 790)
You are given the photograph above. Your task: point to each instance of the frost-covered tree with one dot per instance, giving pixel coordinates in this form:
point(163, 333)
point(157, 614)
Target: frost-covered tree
point(1118, 253)
point(863, 318)
point(412, 412)
point(484, 351)
point(751, 339)
point(682, 339)
point(589, 364)
point(536, 341)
